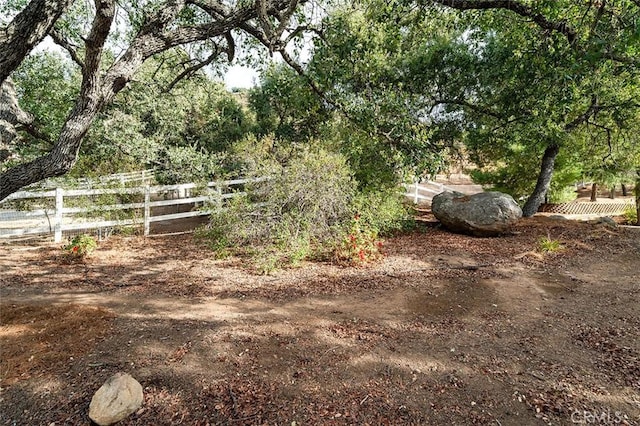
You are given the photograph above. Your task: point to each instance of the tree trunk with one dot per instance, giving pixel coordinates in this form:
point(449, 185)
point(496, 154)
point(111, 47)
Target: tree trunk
point(26, 30)
point(544, 180)
point(612, 192)
point(57, 162)
point(594, 192)
point(625, 191)
point(637, 192)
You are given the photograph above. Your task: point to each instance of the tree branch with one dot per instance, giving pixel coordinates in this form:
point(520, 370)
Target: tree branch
point(159, 33)
point(476, 108)
point(26, 30)
point(608, 132)
point(592, 109)
point(518, 8)
point(61, 41)
point(191, 70)
point(31, 129)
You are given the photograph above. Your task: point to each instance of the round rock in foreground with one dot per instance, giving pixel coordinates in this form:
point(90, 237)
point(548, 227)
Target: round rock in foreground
point(487, 214)
point(117, 398)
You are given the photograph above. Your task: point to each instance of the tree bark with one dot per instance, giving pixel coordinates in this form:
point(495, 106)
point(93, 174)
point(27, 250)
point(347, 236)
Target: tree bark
point(544, 180)
point(11, 116)
point(636, 189)
point(625, 191)
point(594, 192)
point(612, 192)
point(26, 30)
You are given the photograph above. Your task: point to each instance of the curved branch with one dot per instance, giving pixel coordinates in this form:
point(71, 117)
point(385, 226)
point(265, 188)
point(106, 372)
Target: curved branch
point(518, 8)
point(191, 70)
point(59, 39)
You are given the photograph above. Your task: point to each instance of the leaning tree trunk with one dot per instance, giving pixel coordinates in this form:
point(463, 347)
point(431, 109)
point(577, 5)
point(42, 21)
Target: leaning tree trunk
point(544, 180)
point(637, 192)
point(59, 160)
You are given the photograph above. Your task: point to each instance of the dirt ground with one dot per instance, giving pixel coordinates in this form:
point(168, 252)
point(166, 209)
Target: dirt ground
point(447, 330)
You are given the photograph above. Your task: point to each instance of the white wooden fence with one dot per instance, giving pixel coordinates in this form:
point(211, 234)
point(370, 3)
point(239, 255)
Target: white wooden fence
point(421, 192)
point(58, 218)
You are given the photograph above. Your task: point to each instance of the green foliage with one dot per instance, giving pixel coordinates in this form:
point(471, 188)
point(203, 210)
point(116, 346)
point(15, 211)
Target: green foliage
point(286, 107)
point(361, 67)
point(562, 195)
point(47, 86)
point(421, 79)
point(182, 133)
point(284, 218)
point(80, 246)
point(180, 164)
point(360, 245)
point(383, 212)
point(550, 246)
point(630, 215)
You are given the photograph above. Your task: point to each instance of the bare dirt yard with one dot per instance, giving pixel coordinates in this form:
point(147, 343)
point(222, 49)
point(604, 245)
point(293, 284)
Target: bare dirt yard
point(446, 330)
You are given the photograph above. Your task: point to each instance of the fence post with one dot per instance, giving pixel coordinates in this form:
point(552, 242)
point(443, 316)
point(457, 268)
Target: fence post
point(219, 191)
point(147, 209)
point(58, 217)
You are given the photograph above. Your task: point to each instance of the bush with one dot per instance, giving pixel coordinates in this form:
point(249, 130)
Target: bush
point(300, 207)
point(630, 215)
point(361, 244)
point(180, 164)
point(383, 212)
point(80, 246)
point(307, 208)
point(562, 195)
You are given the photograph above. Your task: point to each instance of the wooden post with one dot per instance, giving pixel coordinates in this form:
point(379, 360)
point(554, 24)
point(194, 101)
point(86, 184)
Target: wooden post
point(147, 209)
point(58, 217)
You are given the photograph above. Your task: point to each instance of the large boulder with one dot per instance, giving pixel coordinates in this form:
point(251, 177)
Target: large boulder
point(119, 397)
point(486, 214)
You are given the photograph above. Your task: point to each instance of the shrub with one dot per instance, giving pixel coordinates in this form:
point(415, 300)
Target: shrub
point(283, 219)
point(383, 211)
point(547, 245)
point(180, 164)
point(361, 244)
point(630, 215)
point(562, 195)
point(80, 246)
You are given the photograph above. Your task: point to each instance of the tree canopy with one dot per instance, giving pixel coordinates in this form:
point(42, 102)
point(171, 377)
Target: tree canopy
point(516, 83)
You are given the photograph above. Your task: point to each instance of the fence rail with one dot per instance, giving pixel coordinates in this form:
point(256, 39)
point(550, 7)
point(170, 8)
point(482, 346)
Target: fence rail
point(587, 208)
point(59, 218)
point(421, 192)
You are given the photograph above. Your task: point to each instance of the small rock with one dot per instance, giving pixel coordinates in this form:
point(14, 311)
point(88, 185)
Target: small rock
point(117, 398)
point(608, 222)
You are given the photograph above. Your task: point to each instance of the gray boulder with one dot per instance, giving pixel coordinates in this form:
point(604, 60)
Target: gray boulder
point(486, 214)
point(117, 398)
